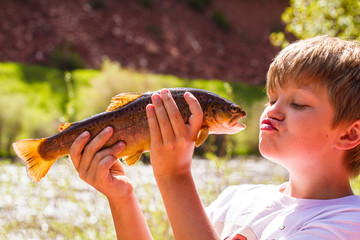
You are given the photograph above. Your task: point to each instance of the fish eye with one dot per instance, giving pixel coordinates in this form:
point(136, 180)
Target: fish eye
point(233, 108)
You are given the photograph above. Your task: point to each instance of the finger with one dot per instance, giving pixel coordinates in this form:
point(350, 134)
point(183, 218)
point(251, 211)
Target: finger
point(77, 147)
point(103, 169)
point(92, 148)
point(117, 168)
point(196, 118)
point(99, 156)
point(174, 114)
point(155, 134)
point(165, 126)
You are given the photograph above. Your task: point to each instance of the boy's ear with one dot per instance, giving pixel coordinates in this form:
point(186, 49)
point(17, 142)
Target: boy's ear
point(350, 138)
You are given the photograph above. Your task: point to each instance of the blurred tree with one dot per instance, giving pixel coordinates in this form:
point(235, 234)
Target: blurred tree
point(309, 18)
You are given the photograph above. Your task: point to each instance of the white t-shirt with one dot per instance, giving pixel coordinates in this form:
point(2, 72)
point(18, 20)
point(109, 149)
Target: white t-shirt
point(252, 212)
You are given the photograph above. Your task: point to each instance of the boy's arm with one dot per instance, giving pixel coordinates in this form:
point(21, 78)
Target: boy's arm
point(129, 220)
point(184, 208)
point(102, 170)
point(172, 147)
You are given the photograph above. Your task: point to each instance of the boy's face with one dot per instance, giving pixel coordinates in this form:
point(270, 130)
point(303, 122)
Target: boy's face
point(295, 127)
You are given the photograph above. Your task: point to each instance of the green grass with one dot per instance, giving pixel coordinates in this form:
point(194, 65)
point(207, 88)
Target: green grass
point(51, 209)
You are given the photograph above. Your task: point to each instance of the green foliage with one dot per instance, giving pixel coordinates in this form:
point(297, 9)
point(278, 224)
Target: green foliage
point(217, 16)
point(97, 4)
point(36, 100)
point(65, 57)
point(69, 107)
point(198, 5)
point(221, 20)
point(309, 18)
point(147, 3)
point(52, 209)
point(355, 184)
point(31, 97)
point(154, 29)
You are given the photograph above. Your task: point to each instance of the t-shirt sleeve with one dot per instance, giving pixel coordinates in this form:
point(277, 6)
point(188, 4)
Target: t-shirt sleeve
point(218, 209)
point(221, 204)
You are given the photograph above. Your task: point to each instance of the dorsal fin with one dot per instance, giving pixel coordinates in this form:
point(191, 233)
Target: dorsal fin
point(121, 100)
point(64, 126)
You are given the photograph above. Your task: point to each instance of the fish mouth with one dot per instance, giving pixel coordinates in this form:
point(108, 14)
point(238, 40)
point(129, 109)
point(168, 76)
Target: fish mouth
point(234, 121)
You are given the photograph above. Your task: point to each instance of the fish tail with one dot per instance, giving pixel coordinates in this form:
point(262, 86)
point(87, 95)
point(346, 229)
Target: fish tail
point(36, 166)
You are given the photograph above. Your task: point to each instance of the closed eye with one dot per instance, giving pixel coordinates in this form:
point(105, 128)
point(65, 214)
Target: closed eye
point(299, 106)
point(270, 103)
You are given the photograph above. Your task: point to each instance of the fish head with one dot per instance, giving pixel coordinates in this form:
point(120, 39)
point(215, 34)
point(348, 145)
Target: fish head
point(222, 117)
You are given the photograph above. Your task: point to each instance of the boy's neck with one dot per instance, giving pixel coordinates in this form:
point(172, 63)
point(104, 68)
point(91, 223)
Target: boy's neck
point(322, 177)
point(318, 186)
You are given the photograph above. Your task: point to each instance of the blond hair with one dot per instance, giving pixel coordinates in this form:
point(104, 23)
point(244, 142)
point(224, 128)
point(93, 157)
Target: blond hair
point(330, 62)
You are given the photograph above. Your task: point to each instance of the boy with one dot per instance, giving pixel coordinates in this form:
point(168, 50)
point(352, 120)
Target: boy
point(311, 126)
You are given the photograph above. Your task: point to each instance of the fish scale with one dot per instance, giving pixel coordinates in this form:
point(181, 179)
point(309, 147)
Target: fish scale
point(126, 114)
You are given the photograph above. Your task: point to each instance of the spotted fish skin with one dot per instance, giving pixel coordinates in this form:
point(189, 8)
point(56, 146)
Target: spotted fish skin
point(126, 114)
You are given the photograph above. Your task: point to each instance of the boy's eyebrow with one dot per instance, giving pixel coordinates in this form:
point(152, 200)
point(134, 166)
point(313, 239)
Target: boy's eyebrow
point(310, 90)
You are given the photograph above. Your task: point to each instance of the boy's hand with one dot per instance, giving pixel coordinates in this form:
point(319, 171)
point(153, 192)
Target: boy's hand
point(101, 169)
point(172, 141)
point(171, 150)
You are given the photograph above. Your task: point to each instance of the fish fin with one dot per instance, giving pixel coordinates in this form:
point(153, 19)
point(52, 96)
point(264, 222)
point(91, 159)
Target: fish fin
point(64, 126)
point(36, 166)
point(132, 159)
point(203, 134)
point(121, 100)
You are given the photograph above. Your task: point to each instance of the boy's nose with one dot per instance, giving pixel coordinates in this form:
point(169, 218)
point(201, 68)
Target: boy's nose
point(275, 110)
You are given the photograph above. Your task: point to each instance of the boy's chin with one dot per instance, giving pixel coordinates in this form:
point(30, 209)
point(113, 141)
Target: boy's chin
point(271, 155)
point(266, 150)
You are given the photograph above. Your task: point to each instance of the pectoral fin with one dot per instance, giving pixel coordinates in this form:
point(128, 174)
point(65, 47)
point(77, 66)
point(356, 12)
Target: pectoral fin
point(132, 159)
point(202, 136)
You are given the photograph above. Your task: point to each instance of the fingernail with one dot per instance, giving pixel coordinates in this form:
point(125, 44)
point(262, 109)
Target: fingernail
point(121, 144)
point(85, 134)
point(155, 97)
point(164, 91)
point(149, 107)
point(108, 129)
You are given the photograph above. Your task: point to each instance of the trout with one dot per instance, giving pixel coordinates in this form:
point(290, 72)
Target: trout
point(126, 114)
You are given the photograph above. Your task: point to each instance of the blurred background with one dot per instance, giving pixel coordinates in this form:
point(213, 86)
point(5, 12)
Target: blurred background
point(62, 61)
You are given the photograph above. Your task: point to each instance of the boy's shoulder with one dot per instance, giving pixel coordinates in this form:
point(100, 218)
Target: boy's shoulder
point(263, 207)
point(256, 191)
point(260, 194)
point(235, 194)
point(268, 192)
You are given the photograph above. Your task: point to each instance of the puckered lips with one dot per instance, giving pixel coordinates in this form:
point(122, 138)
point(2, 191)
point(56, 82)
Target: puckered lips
point(268, 124)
